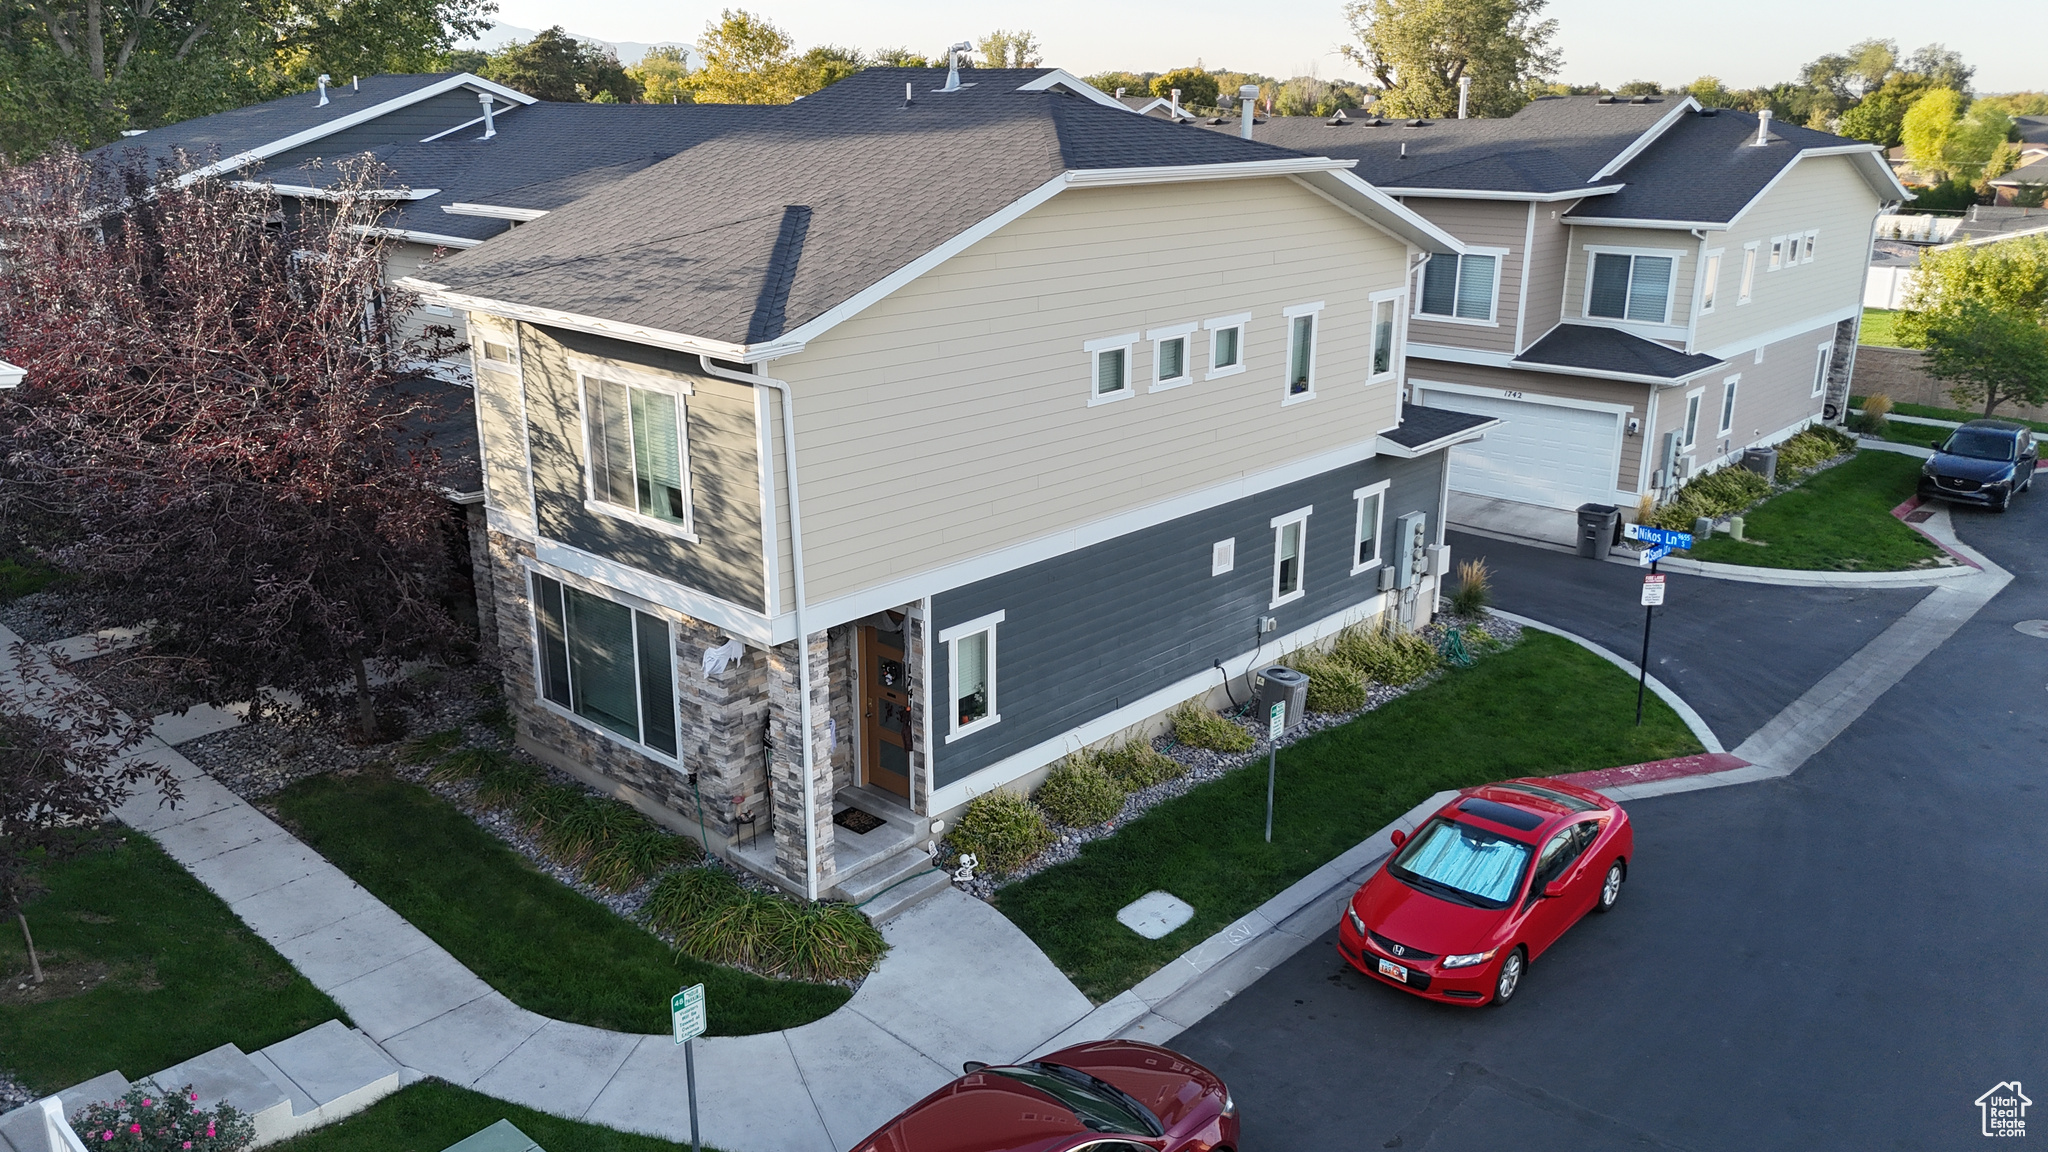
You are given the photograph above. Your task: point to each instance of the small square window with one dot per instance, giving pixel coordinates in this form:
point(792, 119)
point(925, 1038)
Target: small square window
point(638, 457)
point(1630, 287)
point(1173, 359)
point(1460, 286)
point(495, 352)
point(1226, 345)
point(1170, 367)
point(1109, 368)
point(1777, 254)
point(1223, 556)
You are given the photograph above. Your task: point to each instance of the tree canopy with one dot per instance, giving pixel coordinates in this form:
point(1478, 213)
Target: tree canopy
point(1981, 312)
point(1002, 49)
point(556, 66)
point(1418, 50)
point(1198, 88)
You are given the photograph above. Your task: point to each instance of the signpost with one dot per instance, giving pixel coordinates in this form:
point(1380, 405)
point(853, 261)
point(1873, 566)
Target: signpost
point(686, 1009)
point(1661, 543)
point(1276, 723)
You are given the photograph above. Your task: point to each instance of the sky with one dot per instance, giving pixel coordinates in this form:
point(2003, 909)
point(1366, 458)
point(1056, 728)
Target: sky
point(1745, 42)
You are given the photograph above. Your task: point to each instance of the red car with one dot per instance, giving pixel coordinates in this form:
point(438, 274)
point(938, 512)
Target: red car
point(1109, 1096)
point(1482, 888)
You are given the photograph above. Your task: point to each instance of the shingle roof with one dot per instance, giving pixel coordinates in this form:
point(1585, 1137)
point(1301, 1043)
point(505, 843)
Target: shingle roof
point(238, 130)
point(1705, 168)
point(1595, 349)
point(1420, 426)
point(2035, 173)
point(750, 235)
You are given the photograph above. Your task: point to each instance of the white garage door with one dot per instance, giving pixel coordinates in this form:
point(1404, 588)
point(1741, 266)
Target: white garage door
point(1541, 453)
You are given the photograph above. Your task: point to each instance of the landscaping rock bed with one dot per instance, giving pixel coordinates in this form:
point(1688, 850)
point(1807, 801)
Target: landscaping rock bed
point(137, 681)
point(1205, 765)
point(41, 617)
point(14, 1094)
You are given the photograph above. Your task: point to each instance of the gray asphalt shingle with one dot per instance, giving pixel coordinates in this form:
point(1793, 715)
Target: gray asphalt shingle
point(1706, 168)
point(224, 134)
point(1598, 349)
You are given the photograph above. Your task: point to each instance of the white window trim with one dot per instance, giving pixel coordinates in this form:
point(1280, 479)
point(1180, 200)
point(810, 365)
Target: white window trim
point(1710, 280)
point(1500, 262)
point(1689, 420)
point(1241, 322)
point(1360, 496)
point(1223, 556)
point(1776, 260)
point(1746, 289)
point(1730, 392)
point(1373, 302)
point(681, 390)
point(1806, 249)
point(1677, 259)
point(1094, 349)
point(1824, 361)
point(1184, 332)
point(483, 356)
point(1300, 516)
point(948, 637)
point(540, 692)
point(1291, 313)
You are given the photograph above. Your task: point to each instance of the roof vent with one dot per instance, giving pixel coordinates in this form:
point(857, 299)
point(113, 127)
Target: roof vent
point(1248, 105)
point(1464, 94)
point(1174, 105)
point(1416, 124)
point(1375, 122)
point(1763, 128)
point(953, 65)
point(1644, 99)
point(1339, 120)
point(323, 91)
point(1604, 100)
point(1710, 111)
point(490, 111)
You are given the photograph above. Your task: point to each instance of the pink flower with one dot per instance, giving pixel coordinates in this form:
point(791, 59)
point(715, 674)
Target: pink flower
point(135, 1128)
point(186, 1144)
point(209, 1131)
point(107, 1135)
point(148, 1103)
point(195, 1097)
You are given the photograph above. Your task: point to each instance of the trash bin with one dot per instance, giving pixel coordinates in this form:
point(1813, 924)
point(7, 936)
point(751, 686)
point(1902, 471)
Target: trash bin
point(1598, 524)
point(1279, 684)
point(1762, 461)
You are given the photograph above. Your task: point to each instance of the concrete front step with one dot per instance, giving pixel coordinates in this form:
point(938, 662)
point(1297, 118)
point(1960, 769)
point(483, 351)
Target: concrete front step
point(871, 880)
point(910, 878)
point(886, 809)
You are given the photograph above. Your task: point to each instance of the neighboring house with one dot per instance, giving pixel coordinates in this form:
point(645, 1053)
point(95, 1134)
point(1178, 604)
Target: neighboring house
point(2028, 181)
point(949, 395)
point(1648, 288)
point(1895, 257)
point(1158, 107)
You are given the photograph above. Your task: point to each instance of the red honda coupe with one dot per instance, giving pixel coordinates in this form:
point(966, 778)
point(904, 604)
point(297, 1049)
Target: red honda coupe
point(1482, 888)
point(1109, 1096)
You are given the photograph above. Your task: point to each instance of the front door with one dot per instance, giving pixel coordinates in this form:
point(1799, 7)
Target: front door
point(885, 729)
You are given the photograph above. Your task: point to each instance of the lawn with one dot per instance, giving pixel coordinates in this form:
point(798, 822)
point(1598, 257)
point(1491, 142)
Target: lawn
point(1839, 520)
point(1929, 412)
point(543, 944)
point(169, 973)
point(1880, 326)
point(1543, 707)
point(431, 1115)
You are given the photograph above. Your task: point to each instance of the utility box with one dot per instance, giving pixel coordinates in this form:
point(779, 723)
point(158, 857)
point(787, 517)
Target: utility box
point(1411, 549)
point(1762, 461)
point(1598, 524)
point(1279, 684)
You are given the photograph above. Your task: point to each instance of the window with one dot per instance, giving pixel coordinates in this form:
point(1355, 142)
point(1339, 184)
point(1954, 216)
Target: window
point(1748, 272)
point(971, 667)
point(496, 353)
point(1806, 251)
point(606, 663)
point(1777, 254)
point(1290, 533)
point(1826, 360)
point(1301, 350)
point(1692, 418)
point(1170, 356)
point(1384, 314)
point(637, 461)
point(1710, 282)
point(1366, 538)
point(1109, 363)
point(1222, 556)
point(1628, 286)
point(1728, 403)
point(1460, 286)
point(1226, 344)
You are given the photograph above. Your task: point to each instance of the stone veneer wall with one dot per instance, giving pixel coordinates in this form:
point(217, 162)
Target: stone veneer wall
point(480, 575)
point(786, 770)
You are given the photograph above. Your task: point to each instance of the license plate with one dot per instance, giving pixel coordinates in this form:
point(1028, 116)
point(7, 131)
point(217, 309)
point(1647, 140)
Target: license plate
point(1393, 971)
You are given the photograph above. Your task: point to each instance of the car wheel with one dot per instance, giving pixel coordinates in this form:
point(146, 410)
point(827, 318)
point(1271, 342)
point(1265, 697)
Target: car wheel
point(2001, 504)
point(1610, 888)
point(1510, 977)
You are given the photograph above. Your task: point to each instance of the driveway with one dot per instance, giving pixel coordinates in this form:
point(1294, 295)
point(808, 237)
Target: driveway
point(1737, 652)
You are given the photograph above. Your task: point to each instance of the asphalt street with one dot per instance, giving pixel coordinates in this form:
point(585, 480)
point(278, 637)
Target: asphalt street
point(1845, 958)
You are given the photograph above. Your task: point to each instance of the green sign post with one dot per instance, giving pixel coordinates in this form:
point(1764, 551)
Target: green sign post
point(686, 1009)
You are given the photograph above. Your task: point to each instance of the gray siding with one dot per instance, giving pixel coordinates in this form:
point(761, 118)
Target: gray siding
point(1087, 632)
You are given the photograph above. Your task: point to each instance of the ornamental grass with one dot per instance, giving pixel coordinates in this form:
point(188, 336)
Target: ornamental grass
point(1079, 794)
point(1197, 727)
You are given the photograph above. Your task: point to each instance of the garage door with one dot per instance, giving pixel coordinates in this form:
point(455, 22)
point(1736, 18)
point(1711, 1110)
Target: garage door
point(1541, 453)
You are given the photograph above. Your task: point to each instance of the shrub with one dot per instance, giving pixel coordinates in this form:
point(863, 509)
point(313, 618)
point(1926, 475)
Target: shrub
point(1333, 685)
point(507, 783)
point(145, 1120)
point(432, 746)
point(1714, 494)
point(1387, 655)
point(687, 895)
point(1078, 793)
point(736, 931)
point(1003, 830)
point(1872, 420)
point(547, 802)
point(1138, 765)
point(823, 941)
point(1197, 727)
point(579, 832)
point(712, 917)
point(1815, 446)
point(1474, 588)
point(627, 861)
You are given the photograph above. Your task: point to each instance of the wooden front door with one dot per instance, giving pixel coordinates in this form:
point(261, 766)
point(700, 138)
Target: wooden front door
point(885, 728)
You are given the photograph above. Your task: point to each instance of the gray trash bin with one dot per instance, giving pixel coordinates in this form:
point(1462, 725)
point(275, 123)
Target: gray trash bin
point(1598, 525)
point(1279, 684)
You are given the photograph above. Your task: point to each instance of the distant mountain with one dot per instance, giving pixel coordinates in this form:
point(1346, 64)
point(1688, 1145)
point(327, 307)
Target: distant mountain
point(629, 51)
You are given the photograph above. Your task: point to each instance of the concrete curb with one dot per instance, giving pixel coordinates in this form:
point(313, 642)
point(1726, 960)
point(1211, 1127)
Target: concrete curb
point(1693, 720)
point(1744, 574)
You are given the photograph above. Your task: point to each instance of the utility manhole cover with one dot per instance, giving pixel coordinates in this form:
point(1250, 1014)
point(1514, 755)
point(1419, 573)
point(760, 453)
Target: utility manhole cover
point(1155, 914)
point(2033, 628)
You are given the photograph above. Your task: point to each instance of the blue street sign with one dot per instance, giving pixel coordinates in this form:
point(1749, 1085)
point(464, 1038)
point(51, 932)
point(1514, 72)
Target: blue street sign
point(1652, 555)
point(1664, 536)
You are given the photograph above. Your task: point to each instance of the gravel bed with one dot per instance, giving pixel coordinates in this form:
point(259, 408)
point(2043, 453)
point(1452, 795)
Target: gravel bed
point(1206, 764)
point(138, 682)
point(41, 617)
point(14, 1094)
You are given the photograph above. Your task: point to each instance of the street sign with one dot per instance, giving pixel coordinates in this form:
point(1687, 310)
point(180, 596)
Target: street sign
point(1650, 556)
point(1276, 723)
point(1665, 536)
point(687, 1010)
point(1653, 590)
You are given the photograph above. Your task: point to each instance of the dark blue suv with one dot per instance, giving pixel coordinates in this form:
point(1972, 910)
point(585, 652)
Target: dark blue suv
point(1982, 462)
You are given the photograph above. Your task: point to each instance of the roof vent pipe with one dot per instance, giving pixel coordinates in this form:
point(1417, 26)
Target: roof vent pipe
point(355, 83)
point(953, 65)
point(1763, 128)
point(323, 91)
point(907, 93)
point(1120, 93)
point(490, 118)
point(1464, 94)
point(1248, 98)
point(1174, 104)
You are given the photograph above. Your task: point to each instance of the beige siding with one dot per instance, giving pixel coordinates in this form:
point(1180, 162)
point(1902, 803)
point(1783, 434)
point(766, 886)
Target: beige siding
point(403, 258)
point(501, 433)
point(1683, 275)
point(1823, 193)
point(1636, 396)
point(1483, 224)
point(952, 419)
point(1772, 395)
point(1549, 255)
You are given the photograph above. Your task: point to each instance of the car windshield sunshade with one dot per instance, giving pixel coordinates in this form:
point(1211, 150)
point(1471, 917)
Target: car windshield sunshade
point(1979, 445)
point(1480, 864)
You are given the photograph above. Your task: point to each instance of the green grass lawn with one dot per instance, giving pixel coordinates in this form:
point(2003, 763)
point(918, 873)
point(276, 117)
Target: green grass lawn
point(1543, 707)
point(1838, 520)
point(431, 1115)
point(170, 972)
point(1929, 412)
point(1879, 327)
point(543, 944)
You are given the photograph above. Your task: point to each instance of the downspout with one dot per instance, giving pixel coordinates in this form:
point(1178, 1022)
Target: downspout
point(803, 639)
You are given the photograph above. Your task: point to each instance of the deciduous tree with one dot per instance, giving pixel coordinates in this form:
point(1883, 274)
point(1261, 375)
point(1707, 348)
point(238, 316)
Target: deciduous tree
point(556, 66)
point(660, 75)
point(1989, 357)
point(1419, 49)
point(1198, 88)
point(1002, 49)
point(744, 59)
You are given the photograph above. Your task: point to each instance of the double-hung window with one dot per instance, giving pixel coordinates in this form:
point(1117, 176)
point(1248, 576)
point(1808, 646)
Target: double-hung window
point(1630, 286)
point(606, 663)
point(1710, 282)
point(1290, 541)
point(638, 462)
point(1825, 359)
point(1109, 368)
point(1692, 418)
point(971, 675)
point(1302, 321)
point(1460, 287)
point(1748, 272)
point(1226, 344)
point(1728, 404)
point(1365, 550)
point(1170, 367)
point(1386, 311)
